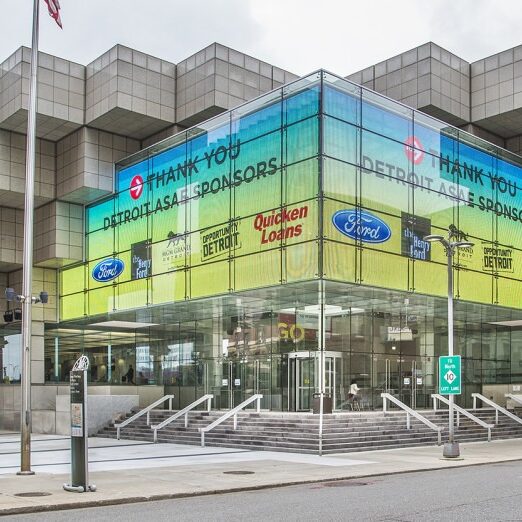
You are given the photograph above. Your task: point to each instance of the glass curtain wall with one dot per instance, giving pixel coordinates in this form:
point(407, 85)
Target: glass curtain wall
point(320, 184)
point(384, 341)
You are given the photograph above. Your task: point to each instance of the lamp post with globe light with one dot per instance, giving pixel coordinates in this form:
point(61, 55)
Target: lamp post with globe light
point(451, 245)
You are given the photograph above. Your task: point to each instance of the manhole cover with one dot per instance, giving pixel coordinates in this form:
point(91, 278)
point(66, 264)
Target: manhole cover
point(240, 472)
point(344, 484)
point(33, 494)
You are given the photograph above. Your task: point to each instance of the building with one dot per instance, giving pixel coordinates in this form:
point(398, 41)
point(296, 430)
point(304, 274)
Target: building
point(275, 248)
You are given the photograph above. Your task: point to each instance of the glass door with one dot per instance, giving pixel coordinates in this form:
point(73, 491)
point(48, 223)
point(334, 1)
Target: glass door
point(301, 381)
point(333, 377)
point(227, 386)
point(255, 379)
point(305, 383)
point(242, 379)
point(385, 377)
point(409, 378)
point(418, 376)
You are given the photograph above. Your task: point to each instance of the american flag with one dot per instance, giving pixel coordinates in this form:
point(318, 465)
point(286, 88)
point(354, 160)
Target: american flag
point(54, 10)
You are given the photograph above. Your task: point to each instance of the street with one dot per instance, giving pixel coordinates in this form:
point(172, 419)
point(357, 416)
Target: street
point(486, 493)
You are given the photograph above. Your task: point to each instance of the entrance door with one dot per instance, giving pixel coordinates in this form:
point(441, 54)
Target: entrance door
point(242, 379)
point(305, 377)
point(203, 384)
point(303, 381)
point(256, 380)
point(227, 388)
point(418, 379)
point(408, 378)
point(330, 378)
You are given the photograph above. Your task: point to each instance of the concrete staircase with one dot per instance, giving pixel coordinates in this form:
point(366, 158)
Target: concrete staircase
point(298, 432)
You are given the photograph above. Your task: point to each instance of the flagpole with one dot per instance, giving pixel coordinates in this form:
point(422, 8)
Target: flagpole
point(27, 292)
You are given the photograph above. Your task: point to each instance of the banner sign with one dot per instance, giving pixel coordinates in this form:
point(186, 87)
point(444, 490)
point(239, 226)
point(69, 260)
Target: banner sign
point(241, 200)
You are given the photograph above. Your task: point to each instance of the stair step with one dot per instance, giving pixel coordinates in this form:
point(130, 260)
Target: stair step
point(342, 432)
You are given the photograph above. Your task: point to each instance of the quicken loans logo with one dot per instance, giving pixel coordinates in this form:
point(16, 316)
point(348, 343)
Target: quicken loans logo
point(362, 226)
point(108, 269)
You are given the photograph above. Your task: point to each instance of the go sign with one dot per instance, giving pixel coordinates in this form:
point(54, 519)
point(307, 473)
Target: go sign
point(450, 375)
point(292, 331)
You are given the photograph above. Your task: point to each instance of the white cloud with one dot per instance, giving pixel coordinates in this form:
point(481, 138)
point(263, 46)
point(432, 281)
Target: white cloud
point(299, 35)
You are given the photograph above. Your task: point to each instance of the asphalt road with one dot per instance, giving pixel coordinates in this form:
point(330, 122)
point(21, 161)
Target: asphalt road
point(477, 493)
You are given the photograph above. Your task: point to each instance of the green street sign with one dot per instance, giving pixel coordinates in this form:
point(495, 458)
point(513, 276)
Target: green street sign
point(450, 375)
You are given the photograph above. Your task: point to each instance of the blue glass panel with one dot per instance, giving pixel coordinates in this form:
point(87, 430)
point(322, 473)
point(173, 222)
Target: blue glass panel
point(341, 104)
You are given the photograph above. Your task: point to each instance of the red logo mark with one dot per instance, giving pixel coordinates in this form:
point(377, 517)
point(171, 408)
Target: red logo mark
point(136, 187)
point(414, 150)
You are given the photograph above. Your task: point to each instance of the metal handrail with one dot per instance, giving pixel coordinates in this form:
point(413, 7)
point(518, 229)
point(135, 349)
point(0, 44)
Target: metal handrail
point(178, 414)
point(513, 397)
point(257, 397)
point(437, 397)
point(410, 413)
point(498, 408)
point(142, 412)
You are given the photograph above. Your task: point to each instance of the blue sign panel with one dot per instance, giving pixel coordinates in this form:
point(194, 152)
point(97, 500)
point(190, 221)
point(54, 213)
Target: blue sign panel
point(362, 226)
point(108, 269)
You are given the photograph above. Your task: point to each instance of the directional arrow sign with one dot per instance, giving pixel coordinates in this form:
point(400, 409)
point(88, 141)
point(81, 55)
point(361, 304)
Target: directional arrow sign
point(449, 375)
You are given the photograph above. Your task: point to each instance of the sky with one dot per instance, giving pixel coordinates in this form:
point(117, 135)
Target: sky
point(342, 36)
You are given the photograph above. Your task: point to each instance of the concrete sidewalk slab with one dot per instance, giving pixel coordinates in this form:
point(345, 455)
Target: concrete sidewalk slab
point(190, 470)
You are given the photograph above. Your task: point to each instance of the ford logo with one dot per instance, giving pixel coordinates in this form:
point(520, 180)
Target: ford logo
point(362, 226)
point(108, 269)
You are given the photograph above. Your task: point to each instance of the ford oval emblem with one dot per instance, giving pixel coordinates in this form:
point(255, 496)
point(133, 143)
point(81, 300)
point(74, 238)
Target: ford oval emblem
point(108, 269)
point(362, 226)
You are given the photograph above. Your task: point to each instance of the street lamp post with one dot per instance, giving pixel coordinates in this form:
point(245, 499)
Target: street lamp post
point(25, 378)
point(451, 245)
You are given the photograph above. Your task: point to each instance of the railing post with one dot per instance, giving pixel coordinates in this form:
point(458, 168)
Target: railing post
point(434, 403)
point(202, 439)
point(148, 418)
point(170, 403)
point(439, 437)
point(474, 402)
point(235, 421)
point(186, 420)
point(489, 434)
point(384, 404)
point(155, 435)
point(408, 424)
point(458, 419)
point(258, 404)
point(118, 433)
point(496, 416)
point(209, 400)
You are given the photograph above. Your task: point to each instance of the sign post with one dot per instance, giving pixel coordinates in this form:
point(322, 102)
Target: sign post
point(450, 375)
point(79, 433)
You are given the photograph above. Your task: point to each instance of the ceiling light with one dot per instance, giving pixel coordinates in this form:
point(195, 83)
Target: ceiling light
point(130, 325)
point(516, 322)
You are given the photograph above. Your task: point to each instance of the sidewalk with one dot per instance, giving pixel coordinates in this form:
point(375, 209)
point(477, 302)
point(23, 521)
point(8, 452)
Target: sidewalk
point(127, 471)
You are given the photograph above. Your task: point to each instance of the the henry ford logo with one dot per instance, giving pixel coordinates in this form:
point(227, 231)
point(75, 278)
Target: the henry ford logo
point(361, 226)
point(108, 269)
point(141, 260)
point(136, 187)
point(413, 149)
point(413, 230)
